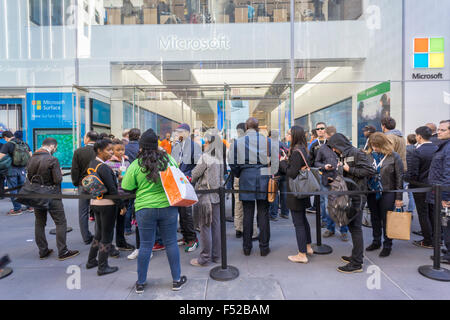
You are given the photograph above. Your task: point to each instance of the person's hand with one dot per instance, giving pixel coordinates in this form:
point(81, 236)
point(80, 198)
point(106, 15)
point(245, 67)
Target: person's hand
point(328, 167)
point(123, 211)
point(283, 157)
point(445, 204)
point(398, 203)
point(346, 167)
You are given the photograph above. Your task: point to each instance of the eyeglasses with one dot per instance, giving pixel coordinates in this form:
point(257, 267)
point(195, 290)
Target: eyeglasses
point(320, 128)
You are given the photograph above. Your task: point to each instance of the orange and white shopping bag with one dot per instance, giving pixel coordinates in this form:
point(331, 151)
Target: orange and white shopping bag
point(179, 190)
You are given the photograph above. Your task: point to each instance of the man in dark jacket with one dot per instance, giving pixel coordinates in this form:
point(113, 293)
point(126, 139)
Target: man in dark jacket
point(357, 167)
point(248, 159)
point(440, 175)
point(434, 136)
point(80, 163)
point(419, 161)
point(313, 150)
point(327, 161)
point(131, 151)
point(16, 174)
point(186, 153)
point(132, 148)
point(44, 167)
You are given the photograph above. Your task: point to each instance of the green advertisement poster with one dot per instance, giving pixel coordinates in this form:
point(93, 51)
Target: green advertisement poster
point(373, 104)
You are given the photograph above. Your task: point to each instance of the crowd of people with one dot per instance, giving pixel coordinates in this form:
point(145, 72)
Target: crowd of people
point(133, 164)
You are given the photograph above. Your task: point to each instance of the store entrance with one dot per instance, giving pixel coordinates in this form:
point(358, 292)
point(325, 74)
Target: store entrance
point(12, 108)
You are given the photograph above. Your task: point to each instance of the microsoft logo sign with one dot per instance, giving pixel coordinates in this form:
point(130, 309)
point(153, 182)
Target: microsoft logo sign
point(429, 53)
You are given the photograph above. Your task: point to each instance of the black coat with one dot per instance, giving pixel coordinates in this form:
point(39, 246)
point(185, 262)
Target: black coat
point(419, 162)
point(391, 173)
point(46, 166)
point(80, 163)
point(325, 156)
point(291, 168)
point(360, 165)
point(109, 179)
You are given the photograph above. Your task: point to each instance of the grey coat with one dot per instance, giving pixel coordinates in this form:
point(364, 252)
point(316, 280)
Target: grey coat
point(209, 171)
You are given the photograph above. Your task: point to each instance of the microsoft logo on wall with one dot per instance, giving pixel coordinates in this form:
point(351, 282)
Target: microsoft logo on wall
point(428, 54)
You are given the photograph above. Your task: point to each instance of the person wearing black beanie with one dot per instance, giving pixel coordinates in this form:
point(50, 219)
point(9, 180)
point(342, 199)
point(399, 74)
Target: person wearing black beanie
point(153, 210)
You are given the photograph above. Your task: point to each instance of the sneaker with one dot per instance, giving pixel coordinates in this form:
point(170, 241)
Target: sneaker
point(273, 218)
point(177, 285)
point(350, 268)
point(421, 243)
point(284, 216)
point(265, 252)
point(92, 218)
point(373, 247)
point(139, 288)
point(13, 212)
point(69, 254)
point(158, 247)
point(328, 234)
point(385, 252)
point(311, 210)
point(126, 247)
point(238, 234)
point(346, 259)
point(46, 255)
point(133, 255)
point(114, 253)
point(191, 246)
point(30, 210)
point(344, 236)
point(444, 259)
point(181, 242)
point(194, 262)
point(418, 233)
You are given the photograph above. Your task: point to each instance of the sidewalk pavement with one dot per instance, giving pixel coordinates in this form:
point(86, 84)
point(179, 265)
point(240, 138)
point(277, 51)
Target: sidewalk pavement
point(273, 277)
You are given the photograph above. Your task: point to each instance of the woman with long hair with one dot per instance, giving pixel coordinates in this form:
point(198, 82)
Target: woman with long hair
point(389, 176)
point(290, 165)
point(152, 208)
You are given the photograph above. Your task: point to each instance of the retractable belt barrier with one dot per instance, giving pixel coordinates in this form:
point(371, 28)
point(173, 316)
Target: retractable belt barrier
point(227, 272)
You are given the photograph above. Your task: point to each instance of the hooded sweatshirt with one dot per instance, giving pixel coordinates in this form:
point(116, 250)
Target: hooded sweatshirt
point(399, 143)
point(360, 166)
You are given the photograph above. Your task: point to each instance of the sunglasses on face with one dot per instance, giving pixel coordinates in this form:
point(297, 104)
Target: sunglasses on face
point(320, 128)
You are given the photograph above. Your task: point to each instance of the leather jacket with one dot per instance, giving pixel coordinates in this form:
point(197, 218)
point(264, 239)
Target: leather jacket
point(43, 164)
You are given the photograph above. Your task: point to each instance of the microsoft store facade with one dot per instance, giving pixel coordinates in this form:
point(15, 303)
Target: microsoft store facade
point(67, 66)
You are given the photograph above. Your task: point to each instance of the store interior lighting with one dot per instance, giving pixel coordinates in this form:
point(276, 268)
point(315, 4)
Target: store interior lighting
point(242, 76)
point(321, 76)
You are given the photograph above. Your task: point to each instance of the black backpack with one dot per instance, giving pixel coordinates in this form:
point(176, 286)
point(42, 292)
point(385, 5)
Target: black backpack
point(21, 154)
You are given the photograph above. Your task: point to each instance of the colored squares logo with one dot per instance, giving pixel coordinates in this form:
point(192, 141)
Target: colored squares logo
point(38, 105)
point(429, 53)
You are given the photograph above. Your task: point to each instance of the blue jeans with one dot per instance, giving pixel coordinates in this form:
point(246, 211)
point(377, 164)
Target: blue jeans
point(280, 200)
point(166, 219)
point(323, 204)
point(411, 203)
point(16, 177)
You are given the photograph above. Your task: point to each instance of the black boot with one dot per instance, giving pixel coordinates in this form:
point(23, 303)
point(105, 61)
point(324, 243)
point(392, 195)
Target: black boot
point(92, 259)
point(103, 267)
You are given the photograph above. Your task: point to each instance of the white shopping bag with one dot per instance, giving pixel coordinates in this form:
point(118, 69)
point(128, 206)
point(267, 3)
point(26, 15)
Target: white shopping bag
point(179, 190)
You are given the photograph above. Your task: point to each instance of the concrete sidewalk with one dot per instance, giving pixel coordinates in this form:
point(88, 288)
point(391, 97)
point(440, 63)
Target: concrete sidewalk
point(271, 277)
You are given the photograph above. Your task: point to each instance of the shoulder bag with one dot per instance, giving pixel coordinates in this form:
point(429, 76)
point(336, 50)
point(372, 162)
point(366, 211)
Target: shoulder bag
point(305, 181)
point(31, 187)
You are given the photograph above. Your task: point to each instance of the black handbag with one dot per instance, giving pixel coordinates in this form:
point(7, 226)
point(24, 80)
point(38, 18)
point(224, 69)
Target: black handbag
point(34, 188)
point(306, 181)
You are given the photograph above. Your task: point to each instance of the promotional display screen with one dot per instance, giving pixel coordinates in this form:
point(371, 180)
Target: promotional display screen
point(373, 104)
point(65, 144)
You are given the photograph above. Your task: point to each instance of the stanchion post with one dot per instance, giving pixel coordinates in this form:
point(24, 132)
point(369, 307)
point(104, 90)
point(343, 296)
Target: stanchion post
point(319, 248)
point(223, 272)
point(435, 271)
